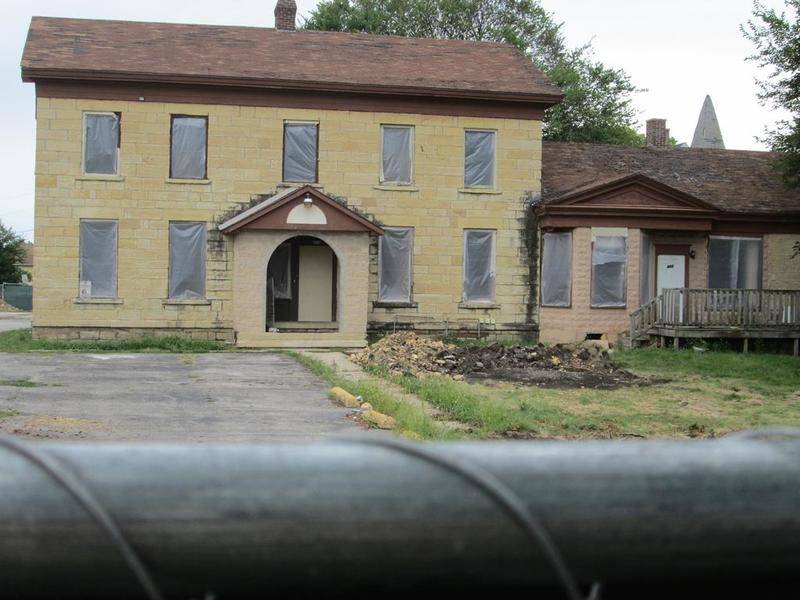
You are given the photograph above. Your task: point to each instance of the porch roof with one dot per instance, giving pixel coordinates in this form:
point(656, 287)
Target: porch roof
point(277, 212)
point(731, 182)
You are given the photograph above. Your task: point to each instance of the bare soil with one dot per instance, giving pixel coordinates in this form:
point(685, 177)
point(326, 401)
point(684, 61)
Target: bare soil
point(587, 365)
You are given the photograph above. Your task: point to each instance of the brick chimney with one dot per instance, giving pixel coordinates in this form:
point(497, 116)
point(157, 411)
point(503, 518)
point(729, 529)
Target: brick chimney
point(657, 133)
point(285, 13)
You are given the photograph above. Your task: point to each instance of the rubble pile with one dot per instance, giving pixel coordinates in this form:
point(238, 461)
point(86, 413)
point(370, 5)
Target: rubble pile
point(561, 365)
point(402, 353)
point(6, 307)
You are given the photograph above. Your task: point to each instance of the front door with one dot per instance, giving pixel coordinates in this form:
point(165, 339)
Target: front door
point(315, 284)
point(670, 272)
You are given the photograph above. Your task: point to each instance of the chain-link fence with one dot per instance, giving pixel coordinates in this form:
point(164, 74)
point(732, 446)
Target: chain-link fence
point(18, 295)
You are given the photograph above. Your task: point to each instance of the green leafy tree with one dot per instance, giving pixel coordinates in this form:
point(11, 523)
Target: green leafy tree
point(776, 37)
point(597, 105)
point(11, 254)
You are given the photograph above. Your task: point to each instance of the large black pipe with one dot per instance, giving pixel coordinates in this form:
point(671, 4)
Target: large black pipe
point(247, 521)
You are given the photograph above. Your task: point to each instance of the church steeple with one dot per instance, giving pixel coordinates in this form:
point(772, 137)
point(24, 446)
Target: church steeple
point(707, 134)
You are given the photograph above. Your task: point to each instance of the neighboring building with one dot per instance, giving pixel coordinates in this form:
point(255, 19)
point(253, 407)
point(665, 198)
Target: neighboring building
point(26, 264)
point(279, 187)
point(707, 133)
point(620, 224)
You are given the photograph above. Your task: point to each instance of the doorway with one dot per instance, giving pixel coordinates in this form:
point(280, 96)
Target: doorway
point(301, 292)
point(672, 267)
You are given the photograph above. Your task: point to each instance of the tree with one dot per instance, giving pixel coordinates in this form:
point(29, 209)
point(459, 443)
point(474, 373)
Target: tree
point(11, 254)
point(597, 105)
point(776, 37)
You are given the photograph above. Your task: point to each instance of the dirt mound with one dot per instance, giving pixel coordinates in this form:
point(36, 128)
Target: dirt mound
point(6, 307)
point(584, 365)
point(403, 353)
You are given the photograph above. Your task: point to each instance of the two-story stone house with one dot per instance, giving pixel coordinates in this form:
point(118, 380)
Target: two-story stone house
point(277, 187)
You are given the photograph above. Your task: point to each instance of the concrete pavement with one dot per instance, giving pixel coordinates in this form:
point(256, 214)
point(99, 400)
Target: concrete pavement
point(14, 320)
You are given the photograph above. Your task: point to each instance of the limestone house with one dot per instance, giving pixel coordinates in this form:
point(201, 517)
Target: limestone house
point(274, 187)
point(621, 226)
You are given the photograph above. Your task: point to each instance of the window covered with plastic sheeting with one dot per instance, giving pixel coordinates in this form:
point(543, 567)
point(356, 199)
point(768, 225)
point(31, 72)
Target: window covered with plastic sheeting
point(609, 271)
point(187, 260)
point(189, 144)
point(98, 262)
point(280, 270)
point(479, 276)
point(101, 143)
point(394, 257)
point(396, 154)
point(557, 268)
point(479, 150)
point(734, 263)
point(300, 152)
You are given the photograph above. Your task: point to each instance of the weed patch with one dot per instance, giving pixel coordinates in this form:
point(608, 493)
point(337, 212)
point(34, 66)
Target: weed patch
point(21, 340)
point(411, 420)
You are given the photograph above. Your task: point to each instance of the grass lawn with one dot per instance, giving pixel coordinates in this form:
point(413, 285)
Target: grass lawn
point(708, 394)
point(411, 421)
point(20, 340)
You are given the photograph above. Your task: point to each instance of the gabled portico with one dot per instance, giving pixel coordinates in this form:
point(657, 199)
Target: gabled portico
point(300, 271)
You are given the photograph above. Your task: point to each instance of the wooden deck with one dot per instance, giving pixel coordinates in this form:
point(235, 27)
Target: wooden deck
point(719, 313)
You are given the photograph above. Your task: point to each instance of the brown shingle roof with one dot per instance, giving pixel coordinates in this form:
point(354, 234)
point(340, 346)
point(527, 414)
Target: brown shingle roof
point(125, 50)
point(27, 260)
point(736, 181)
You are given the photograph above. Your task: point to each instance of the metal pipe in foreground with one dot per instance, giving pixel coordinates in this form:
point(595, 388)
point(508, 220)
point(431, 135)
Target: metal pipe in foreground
point(241, 521)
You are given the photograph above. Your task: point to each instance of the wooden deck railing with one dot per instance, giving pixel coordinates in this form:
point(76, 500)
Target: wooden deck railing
point(718, 308)
point(645, 317)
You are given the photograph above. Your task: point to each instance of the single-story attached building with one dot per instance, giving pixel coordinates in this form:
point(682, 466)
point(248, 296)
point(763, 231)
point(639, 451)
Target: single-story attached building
point(621, 224)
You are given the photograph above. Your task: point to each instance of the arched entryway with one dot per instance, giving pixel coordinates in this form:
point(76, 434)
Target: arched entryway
point(302, 286)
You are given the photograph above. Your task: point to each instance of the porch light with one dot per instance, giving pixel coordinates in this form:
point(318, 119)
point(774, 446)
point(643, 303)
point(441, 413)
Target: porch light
point(307, 201)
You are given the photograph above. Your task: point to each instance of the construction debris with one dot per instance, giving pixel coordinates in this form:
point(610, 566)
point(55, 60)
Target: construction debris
point(6, 307)
point(578, 365)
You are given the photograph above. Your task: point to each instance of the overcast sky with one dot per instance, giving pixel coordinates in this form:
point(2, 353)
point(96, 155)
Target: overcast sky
point(679, 51)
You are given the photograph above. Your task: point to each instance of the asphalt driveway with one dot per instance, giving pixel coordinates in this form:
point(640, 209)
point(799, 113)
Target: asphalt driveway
point(225, 397)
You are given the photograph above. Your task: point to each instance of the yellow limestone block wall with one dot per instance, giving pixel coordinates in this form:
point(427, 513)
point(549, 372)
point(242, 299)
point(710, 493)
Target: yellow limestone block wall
point(245, 158)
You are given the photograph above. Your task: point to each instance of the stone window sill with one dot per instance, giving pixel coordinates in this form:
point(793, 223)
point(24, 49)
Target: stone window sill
point(299, 184)
point(188, 181)
point(379, 304)
point(198, 302)
point(388, 187)
point(479, 305)
point(98, 301)
point(99, 177)
point(489, 191)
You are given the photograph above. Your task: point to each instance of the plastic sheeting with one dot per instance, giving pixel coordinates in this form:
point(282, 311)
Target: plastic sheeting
point(479, 277)
point(609, 271)
point(557, 268)
point(396, 158)
point(300, 152)
point(187, 261)
point(188, 147)
point(479, 159)
point(734, 263)
point(280, 270)
point(394, 255)
point(98, 263)
point(101, 144)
